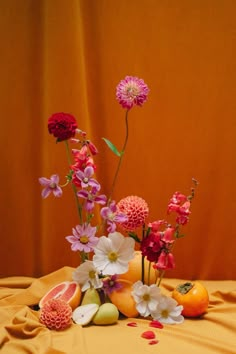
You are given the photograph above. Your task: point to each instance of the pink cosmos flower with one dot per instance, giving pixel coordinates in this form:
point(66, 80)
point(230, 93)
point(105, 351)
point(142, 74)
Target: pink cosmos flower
point(62, 125)
point(131, 91)
point(83, 238)
point(51, 186)
point(112, 216)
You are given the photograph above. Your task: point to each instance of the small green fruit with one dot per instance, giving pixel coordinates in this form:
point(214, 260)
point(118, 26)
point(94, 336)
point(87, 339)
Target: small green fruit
point(91, 296)
point(107, 314)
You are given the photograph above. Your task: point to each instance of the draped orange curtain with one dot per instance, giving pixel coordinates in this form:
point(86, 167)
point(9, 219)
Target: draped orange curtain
point(69, 55)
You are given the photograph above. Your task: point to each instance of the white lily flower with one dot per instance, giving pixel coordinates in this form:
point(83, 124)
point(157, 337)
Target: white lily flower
point(86, 275)
point(146, 297)
point(113, 253)
point(168, 311)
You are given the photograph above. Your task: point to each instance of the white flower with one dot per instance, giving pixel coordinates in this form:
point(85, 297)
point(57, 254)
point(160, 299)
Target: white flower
point(167, 311)
point(113, 253)
point(87, 275)
point(146, 297)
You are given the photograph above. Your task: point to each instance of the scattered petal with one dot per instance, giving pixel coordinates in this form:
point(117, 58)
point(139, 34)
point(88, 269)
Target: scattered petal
point(148, 335)
point(153, 342)
point(156, 324)
point(132, 324)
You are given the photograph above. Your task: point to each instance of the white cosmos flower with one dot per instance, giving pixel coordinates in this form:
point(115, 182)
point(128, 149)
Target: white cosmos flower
point(146, 297)
point(168, 311)
point(113, 253)
point(87, 275)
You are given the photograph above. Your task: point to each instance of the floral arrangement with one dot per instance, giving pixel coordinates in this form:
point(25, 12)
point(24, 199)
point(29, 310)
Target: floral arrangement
point(107, 250)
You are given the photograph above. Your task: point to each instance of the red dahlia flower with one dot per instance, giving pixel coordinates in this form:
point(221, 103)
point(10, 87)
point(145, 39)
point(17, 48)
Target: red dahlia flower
point(62, 125)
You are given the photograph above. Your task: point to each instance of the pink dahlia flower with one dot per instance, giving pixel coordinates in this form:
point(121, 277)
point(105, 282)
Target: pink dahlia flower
point(131, 91)
point(62, 125)
point(56, 314)
point(136, 209)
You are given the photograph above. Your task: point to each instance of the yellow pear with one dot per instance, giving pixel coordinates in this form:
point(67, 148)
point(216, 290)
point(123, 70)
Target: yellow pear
point(91, 296)
point(107, 314)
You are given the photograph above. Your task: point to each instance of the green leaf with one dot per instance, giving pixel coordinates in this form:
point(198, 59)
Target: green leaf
point(134, 236)
point(112, 147)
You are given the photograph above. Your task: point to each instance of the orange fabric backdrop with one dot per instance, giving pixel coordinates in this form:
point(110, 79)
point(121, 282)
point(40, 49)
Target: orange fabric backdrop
point(62, 55)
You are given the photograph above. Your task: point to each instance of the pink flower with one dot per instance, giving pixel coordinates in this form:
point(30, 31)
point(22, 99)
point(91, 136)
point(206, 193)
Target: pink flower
point(92, 148)
point(62, 125)
point(91, 197)
point(51, 186)
point(131, 91)
point(85, 177)
point(136, 209)
point(110, 284)
point(56, 314)
point(112, 216)
point(83, 238)
point(180, 204)
point(165, 261)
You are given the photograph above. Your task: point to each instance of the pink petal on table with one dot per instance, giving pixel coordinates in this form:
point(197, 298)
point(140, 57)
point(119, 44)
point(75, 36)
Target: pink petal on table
point(156, 324)
point(132, 324)
point(148, 335)
point(153, 342)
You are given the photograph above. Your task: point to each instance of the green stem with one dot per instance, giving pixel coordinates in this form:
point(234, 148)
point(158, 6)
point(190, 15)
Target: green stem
point(149, 271)
point(143, 257)
point(79, 209)
point(121, 156)
point(161, 277)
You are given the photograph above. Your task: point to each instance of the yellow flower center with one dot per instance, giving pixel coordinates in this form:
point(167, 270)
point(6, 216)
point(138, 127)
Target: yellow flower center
point(133, 91)
point(112, 256)
point(165, 313)
point(92, 274)
point(84, 239)
point(146, 297)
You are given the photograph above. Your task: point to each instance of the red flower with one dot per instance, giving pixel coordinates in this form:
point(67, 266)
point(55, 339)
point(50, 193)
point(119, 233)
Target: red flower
point(62, 125)
point(151, 246)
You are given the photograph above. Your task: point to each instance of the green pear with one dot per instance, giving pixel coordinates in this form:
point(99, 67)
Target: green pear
point(91, 296)
point(107, 314)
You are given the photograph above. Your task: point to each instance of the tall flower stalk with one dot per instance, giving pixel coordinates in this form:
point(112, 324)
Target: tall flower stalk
point(130, 92)
point(78, 205)
point(121, 155)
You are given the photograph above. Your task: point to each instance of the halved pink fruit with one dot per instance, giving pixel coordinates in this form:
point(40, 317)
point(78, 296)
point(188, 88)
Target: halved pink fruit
point(68, 291)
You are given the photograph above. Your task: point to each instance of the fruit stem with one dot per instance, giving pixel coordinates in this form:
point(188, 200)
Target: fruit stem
point(185, 288)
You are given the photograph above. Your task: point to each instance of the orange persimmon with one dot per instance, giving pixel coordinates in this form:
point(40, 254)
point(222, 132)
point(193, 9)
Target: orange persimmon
point(194, 298)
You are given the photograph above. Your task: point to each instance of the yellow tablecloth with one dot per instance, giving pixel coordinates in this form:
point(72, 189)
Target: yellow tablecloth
point(21, 332)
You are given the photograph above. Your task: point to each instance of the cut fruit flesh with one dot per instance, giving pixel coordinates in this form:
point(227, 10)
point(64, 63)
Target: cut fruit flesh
point(84, 314)
point(67, 291)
